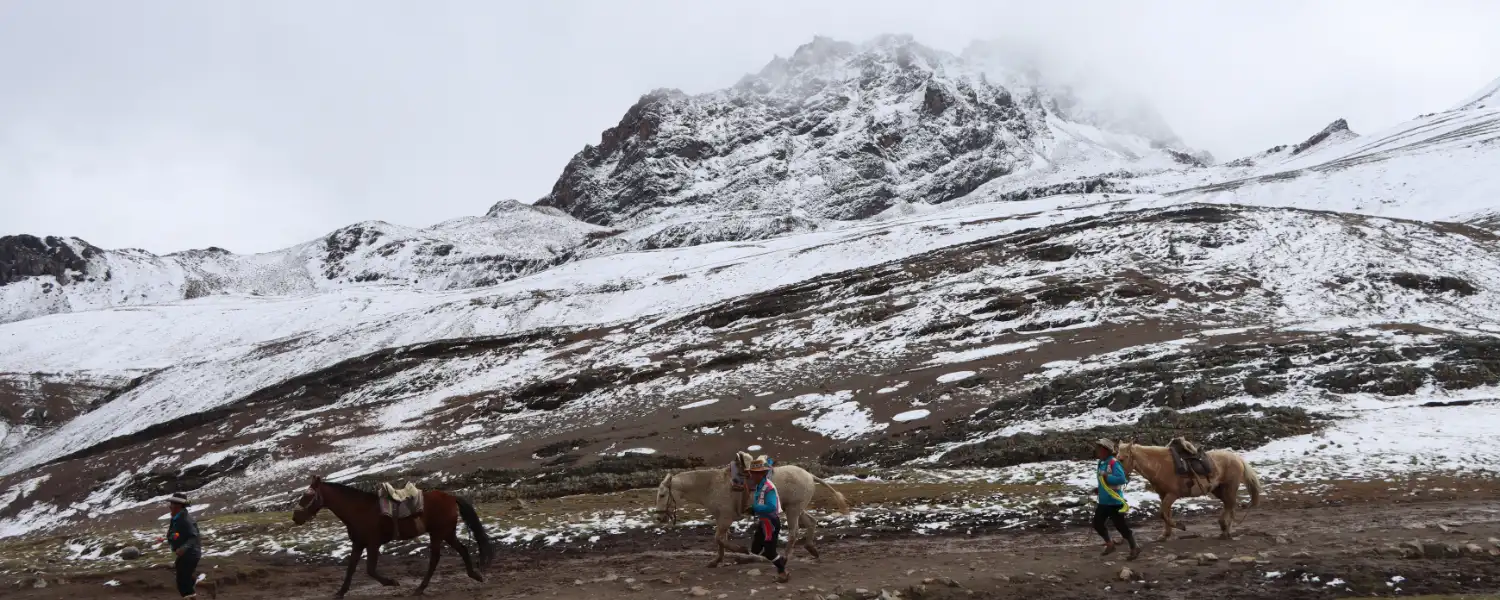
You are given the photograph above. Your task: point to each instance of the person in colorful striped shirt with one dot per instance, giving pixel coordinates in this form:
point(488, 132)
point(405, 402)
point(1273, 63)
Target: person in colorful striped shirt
point(766, 505)
point(1112, 504)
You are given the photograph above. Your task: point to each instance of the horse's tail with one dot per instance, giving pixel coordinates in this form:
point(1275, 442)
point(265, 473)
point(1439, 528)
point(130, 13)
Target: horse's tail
point(476, 528)
point(1252, 481)
point(838, 498)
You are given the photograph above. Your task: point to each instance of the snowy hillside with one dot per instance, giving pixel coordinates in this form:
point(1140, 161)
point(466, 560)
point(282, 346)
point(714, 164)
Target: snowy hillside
point(40, 276)
point(1436, 167)
point(859, 243)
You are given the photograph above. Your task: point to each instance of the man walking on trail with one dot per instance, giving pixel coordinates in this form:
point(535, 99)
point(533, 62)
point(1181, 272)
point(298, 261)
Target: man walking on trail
point(1112, 505)
point(182, 537)
point(766, 505)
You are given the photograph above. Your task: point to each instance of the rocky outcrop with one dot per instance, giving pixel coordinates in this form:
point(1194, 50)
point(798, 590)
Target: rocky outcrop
point(24, 256)
point(837, 131)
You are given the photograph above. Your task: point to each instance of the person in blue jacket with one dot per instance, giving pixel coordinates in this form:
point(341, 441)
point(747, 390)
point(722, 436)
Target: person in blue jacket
point(1112, 506)
point(182, 538)
point(766, 505)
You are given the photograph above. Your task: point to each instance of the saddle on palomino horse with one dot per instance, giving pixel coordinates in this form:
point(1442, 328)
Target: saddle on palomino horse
point(1189, 460)
point(400, 504)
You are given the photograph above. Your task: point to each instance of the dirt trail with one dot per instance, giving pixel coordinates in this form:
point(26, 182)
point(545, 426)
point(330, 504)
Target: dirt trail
point(1360, 550)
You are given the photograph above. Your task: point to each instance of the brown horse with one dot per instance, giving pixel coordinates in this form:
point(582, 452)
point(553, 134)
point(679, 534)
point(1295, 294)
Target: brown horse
point(1229, 470)
point(368, 529)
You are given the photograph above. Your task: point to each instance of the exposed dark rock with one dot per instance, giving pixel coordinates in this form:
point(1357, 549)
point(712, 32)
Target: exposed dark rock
point(1432, 285)
point(23, 256)
point(1317, 138)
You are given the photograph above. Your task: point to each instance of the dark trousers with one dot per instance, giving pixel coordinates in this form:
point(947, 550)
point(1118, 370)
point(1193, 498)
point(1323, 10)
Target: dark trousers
point(187, 572)
point(767, 532)
point(1112, 514)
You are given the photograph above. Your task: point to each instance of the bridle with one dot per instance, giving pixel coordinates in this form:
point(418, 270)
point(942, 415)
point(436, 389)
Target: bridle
point(311, 500)
point(669, 512)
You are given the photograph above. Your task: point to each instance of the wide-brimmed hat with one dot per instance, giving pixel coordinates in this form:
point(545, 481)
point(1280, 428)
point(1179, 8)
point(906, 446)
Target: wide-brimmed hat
point(761, 463)
point(1107, 444)
point(178, 498)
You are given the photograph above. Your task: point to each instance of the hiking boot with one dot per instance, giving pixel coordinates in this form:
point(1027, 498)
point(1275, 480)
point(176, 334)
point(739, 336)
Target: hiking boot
point(1109, 548)
point(1134, 553)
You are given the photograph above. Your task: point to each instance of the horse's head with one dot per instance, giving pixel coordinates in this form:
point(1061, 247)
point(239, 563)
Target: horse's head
point(666, 501)
point(1125, 453)
point(310, 503)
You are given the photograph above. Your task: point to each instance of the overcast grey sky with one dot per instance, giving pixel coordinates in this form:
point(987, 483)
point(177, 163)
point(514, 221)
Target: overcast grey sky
point(256, 124)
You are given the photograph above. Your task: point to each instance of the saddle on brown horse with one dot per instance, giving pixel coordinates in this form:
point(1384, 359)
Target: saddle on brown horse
point(401, 504)
point(1190, 460)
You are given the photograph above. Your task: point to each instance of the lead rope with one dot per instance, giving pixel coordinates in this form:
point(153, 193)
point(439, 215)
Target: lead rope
point(671, 499)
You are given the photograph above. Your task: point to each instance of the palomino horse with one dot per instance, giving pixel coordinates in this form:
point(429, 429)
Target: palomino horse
point(369, 529)
point(1229, 470)
point(710, 488)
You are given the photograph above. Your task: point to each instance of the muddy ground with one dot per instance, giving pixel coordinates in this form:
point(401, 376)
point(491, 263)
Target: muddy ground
point(1357, 540)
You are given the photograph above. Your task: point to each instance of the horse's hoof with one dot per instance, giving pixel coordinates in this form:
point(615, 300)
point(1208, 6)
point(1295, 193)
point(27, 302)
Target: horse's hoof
point(389, 583)
point(476, 577)
point(712, 565)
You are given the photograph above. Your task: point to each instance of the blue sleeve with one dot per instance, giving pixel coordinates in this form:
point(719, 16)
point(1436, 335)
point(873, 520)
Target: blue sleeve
point(769, 506)
point(1116, 476)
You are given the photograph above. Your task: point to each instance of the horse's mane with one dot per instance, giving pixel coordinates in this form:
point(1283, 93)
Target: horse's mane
point(352, 489)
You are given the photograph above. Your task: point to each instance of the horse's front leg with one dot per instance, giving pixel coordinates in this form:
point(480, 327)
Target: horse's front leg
point(1166, 516)
point(435, 551)
point(721, 541)
point(375, 574)
point(349, 573)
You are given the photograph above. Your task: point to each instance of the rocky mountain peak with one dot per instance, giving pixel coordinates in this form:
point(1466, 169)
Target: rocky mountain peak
point(1335, 131)
point(836, 131)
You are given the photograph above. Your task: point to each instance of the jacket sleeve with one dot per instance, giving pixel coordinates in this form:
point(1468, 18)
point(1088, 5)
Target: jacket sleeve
point(1116, 476)
point(183, 533)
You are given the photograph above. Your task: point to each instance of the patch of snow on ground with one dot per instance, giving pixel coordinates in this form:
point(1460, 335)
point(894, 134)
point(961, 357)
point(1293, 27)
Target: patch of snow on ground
point(1387, 441)
point(911, 415)
point(948, 358)
point(699, 403)
point(955, 376)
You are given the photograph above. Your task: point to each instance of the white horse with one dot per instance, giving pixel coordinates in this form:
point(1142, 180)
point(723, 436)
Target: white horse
point(711, 489)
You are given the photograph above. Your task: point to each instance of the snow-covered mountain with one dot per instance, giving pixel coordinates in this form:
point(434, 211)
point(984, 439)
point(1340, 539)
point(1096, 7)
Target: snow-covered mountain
point(861, 242)
point(40, 276)
point(836, 131)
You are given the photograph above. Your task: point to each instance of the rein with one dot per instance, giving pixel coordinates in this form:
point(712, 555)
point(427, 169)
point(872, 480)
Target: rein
point(670, 511)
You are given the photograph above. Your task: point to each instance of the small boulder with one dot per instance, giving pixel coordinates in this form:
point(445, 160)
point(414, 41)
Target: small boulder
point(753, 572)
point(1242, 560)
point(635, 587)
point(130, 553)
point(1126, 574)
point(1440, 550)
point(697, 591)
point(1207, 558)
point(1475, 549)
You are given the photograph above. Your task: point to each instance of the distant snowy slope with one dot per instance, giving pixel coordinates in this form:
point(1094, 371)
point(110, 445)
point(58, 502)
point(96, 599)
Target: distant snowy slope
point(1486, 97)
point(41, 276)
point(1436, 167)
